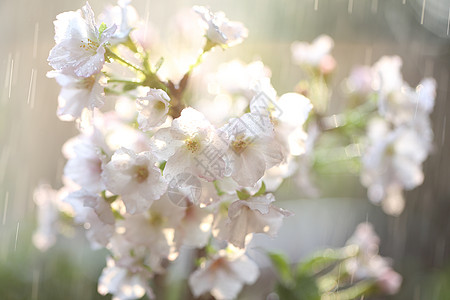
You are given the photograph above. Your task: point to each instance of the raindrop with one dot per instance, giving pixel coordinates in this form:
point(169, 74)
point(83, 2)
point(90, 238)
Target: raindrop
point(350, 6)
point(35, 41)
point(423, 11)
point(32, 86)
point(11, 70)
point(448, 21)
point(316, 4)
point(5, 208)
point(17, 236)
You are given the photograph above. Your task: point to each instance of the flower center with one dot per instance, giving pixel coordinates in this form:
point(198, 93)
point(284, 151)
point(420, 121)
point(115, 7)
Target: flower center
point(192, 145)
point(141, 173)
point(160, 106)
point(86, 83)
point(240, 144)
point(89, 45)
point(156, 219)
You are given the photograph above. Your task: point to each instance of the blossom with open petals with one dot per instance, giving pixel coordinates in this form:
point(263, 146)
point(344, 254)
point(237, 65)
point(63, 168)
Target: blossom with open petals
point(193, 145)
point(124, 284)
point(78, 93)
point(135, 178)
point(253, 215)
point(152, 109)
point(252, 147)
point(95, 214)
point(316, 54)
point(219, 30)
point(224, 275)
point(368, 264)
point(79, 48)
point(287, 113)
point(124, 16)
point(393, 162)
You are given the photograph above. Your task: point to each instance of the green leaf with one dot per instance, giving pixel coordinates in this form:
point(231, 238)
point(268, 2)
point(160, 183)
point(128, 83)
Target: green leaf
point(280, 262)
point(218, 190)
point(159, 64)
point(243, 194)
point(101, 29)
point(162, 166)
point(261, 191)
point(324, 259)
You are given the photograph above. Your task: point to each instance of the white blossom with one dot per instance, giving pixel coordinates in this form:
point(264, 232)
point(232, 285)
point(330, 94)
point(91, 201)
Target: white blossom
point(219, 30)
point(124, 16)
point(252, 148)
point(135, 178)
point(393, 162)
point(253, 215)
point(79, 48)
point(78, 93)
point(152, 109)
point(287, 113)
point(124, 284)
point(95, 214)
point(191, 145)
point(224, 275)
point(85, 161)
point(368, 264)
point(47, 201)
point(316, 54)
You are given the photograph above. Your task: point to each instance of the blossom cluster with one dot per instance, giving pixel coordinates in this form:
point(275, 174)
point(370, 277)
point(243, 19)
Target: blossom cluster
point(173, 157)
point(156, 175)
point(399, 136)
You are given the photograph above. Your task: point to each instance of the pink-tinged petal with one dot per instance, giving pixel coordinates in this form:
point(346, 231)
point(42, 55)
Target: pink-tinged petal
point(163, 144)
point(272, 150)
point(177, 164)
point(245, 269)
point(249, 167)
point(152, 109)
point(201, 282)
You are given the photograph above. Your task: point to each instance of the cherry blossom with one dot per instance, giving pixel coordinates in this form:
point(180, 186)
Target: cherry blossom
point(78, 93)
point(152, 109)
point(219, 30)
point(316, 54)
point(192, 144)
point(79, 48)
point(253, 215)
point(252, 147)
point(135, 178)
point(124, 284)
point(224, 275)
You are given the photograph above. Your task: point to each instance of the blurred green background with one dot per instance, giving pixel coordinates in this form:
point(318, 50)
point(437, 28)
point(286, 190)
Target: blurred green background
point(31, 137)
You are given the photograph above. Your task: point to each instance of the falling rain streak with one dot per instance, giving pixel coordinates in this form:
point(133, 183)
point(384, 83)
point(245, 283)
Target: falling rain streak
point(35, 40)
point(5, 208)
point(32, 88)
point(17, 236)
point(316, 4)
point(448, 21)
point(10, 78)
point(423, 11)
point(350, 6)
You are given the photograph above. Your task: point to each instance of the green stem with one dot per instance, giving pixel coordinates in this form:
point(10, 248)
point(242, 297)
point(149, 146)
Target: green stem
point(114, 56)
point(197, 62)
point(124, 81)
